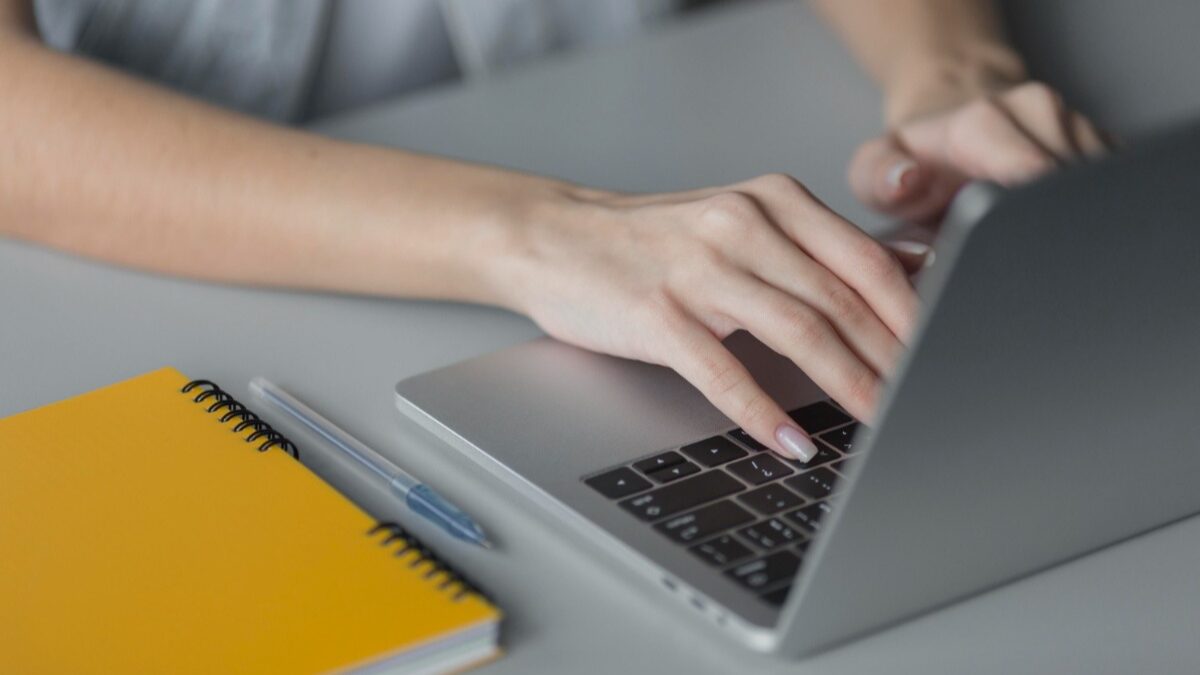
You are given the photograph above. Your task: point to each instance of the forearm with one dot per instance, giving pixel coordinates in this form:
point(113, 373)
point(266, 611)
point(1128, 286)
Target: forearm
point(100, 164)
point(926, 55)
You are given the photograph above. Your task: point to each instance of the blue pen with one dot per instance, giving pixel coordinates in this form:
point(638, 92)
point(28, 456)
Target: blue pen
point(419, 497)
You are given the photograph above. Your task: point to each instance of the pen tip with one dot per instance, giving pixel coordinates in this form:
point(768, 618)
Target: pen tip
point(485, 543)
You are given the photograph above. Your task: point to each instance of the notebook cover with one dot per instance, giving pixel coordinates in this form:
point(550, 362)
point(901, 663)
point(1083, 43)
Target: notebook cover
point(140, 534)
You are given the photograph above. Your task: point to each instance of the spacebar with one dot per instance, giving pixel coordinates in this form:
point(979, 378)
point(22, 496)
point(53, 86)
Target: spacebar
point(681, 495)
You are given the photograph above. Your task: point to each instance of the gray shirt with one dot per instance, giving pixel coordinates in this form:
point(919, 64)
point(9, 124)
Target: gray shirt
point(289, 60)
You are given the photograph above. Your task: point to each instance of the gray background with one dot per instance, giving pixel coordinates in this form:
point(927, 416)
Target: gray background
point(734, 93)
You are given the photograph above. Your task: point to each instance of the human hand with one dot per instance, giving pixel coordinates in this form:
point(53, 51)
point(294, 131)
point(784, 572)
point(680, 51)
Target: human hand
point(665, 278)
point(1009, 136)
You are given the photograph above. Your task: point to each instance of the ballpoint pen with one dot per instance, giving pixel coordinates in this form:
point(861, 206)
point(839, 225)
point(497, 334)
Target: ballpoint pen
point(420, 498)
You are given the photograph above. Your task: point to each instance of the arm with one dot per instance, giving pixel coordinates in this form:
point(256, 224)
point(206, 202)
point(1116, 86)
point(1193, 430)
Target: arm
point(927, 55)
point(957, 103)
point(103, 165)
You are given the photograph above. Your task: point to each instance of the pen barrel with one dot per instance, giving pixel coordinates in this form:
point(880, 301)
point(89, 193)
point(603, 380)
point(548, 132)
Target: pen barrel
point(419, 498)
point(429, 504)
point(402, 484)
point(331, 433)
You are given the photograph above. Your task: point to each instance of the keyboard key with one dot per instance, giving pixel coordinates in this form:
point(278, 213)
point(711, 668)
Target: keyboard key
point(721, 551)
point(618, 483)
point(815, 484)
point(746, 439)
point(704, 521)
point(824, 455)
point(759, 574)
point(809, 518)
point(818, 417)
point(770, 499)
point(713, 451)
point(771, 534)
point(802, 547)
point(842, 439)
point(778, 596)
point(839, 466)
point(673, 472)
point(759, 469)
point(658, 461)
point(682, 495)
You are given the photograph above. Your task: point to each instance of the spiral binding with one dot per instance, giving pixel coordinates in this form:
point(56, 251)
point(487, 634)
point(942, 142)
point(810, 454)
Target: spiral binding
point(234, 410)
point(436, 568)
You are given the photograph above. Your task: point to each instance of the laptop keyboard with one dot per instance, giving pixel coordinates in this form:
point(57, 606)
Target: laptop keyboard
point(747, 512)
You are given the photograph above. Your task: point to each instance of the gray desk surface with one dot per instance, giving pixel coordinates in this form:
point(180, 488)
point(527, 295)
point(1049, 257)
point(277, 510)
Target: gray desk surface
point(719, 98)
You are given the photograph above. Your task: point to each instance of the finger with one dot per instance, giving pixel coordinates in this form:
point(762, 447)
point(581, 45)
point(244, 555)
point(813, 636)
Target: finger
point(980, 140)
point(858, 325)
point(985, 142)
point(803, 335)
point(703, 361)
point(878, 178)
point(1041, 114)
point(1088, 139)
point(769, 255)
point(849, 253)
point(850, 315)
point(931, 202)
point(884, 176)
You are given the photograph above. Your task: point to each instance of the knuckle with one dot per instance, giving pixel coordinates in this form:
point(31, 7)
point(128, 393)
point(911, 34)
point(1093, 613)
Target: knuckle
point(780, 183)
point(728, 208)
point(720, 379)
point(843, 305)
point(802, 325)
point(730, 218)
point(793, 191)
point(874, 260)
point(862, 390)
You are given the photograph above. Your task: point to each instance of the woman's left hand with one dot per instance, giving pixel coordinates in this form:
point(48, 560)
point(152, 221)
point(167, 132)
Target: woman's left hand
point(1011, 136)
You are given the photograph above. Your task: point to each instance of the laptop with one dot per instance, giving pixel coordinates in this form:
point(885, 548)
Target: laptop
point(1047, 407)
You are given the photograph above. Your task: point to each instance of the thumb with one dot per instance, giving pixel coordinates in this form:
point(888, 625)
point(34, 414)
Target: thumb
point(884, 176)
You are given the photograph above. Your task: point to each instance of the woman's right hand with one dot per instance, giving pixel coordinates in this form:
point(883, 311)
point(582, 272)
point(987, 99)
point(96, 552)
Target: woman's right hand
point(664, 278)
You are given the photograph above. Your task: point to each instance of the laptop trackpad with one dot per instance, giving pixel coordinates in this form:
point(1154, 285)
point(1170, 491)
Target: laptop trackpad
point(544, 406)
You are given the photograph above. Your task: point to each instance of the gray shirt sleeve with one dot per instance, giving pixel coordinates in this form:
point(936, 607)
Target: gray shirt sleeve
point(288, 60)
point(252, 55)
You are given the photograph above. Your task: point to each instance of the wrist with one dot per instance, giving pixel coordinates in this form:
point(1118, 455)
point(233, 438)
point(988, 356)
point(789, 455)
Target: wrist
point(925, 83)
point(538, 224)
point(427, 227)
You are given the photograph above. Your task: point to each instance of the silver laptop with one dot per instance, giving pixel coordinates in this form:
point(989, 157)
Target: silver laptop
point(1049, 405)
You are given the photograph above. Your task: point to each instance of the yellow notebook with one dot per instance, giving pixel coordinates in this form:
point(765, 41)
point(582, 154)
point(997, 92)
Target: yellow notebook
point(139, 532)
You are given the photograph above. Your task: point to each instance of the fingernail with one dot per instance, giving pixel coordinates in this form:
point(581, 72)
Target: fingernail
point(902, 175)
point(915, 248)
point(911, 247)
point(795, 442)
